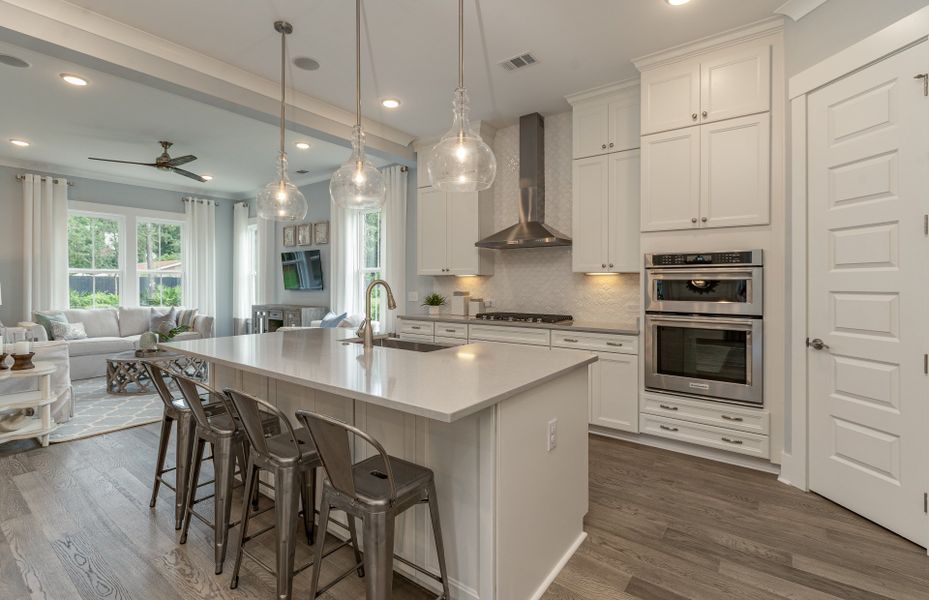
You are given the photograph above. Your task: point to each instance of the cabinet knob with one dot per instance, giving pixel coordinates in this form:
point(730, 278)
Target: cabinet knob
point(611, 144)
point(693, 220)
point(703, 219)
point(705, 114)
point(611, 265)
point(694, 116)
point(603, 146)
point(603, 265)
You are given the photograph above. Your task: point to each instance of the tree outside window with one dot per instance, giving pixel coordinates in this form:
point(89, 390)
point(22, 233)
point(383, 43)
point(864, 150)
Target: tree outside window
point(159, 265)
point(93, 261)
point(371, 268)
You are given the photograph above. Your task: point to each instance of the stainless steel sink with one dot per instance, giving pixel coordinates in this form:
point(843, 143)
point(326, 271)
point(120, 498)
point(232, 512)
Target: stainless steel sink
point(402, 344)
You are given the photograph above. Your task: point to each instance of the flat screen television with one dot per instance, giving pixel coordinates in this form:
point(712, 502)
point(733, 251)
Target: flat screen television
point(303, 270)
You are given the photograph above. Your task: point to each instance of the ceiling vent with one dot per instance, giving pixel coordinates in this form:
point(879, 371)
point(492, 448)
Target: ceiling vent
point(13, 61)
point(519, 62)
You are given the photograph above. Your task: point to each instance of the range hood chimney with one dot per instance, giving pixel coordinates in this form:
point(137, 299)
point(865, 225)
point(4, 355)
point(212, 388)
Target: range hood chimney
point(531, 231)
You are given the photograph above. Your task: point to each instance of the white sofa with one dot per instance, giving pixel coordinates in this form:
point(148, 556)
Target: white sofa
point(111, 330)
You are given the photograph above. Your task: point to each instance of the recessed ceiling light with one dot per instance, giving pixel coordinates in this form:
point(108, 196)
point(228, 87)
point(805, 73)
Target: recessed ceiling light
point(20, 143)
point(306, 63)
point(207, 177)
point(73, 79)
point(302, 145)
point(390, 103)
point(677, 2)
point(13, 61)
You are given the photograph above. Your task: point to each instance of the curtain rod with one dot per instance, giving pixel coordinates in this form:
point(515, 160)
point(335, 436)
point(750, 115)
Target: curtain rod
point(54, 179)
point(203, 200)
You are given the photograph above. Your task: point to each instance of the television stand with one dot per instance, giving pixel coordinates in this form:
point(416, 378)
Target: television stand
point(271, 317)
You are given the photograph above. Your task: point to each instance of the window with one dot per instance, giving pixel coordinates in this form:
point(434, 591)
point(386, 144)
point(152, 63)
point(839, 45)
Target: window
point(370, 254)
point(159, 266)
point(94, 267)
point(251, 264)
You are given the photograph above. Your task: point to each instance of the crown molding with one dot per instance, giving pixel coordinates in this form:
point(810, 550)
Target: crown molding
point(609, 89)
point(738, 35)
point(58, 26)
point(797, 9)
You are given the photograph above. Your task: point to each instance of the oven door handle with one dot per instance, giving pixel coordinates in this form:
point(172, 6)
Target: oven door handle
point(653, 319)
point(715, 274)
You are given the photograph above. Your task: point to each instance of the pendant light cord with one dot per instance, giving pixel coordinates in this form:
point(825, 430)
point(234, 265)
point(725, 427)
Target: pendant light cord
point(283, 89)
point(460, 44)
point(358, 63)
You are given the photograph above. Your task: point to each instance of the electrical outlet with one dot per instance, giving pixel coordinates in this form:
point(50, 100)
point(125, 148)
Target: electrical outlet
point(552, 435)
point(412, 296)
point(488, 303)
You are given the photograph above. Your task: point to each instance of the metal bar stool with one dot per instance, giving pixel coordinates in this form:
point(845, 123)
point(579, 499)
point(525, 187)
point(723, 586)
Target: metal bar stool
point(175, 411)
point(292, 458)
point(375, 490)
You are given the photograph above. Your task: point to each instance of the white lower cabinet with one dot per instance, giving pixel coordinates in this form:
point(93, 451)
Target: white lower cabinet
point(706, 435)
point(412, 337)
point(614, 391)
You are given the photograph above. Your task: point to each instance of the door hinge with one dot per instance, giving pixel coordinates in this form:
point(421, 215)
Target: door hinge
point(926, 225)
point(926, 503)
point(926, 364)
point(925, 78)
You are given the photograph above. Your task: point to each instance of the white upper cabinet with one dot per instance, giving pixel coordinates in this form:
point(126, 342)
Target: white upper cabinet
point(730, 83)
point(623, 237)
point(432, 245)
point(735, 83)
point(591, 130)
point(606, 120)
point(671, 180)
point(590, 220)
point(463, 257)
point(735, 172)
point(670, 97)
point(447, 226)
point(624, 125)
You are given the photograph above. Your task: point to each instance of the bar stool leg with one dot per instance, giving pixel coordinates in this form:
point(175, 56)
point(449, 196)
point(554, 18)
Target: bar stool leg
point(320, 542)
point(378, 535)
point(224, 466)
point(437, 534)
point(285, 500)
point(166, 423)
point(185, 447)
point(251, 482)
point(308, 500)
point(192, 485)
point(353, 535)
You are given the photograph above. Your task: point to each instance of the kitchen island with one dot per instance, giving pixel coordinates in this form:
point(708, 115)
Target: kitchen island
point(512, 500)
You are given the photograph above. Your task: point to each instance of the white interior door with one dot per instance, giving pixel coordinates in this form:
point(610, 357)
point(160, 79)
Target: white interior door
point(868, 149)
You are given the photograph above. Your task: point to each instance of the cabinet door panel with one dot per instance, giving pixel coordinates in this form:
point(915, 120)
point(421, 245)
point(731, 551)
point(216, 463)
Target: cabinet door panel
point(671, 180)
point(625, 124)
point(591, 130)
point(736, 172)
point(590, 214)
point(430, 229)
point(623, 238)
point(614, 401)
point(462, 233)
point(670, 97)
point(734, 84)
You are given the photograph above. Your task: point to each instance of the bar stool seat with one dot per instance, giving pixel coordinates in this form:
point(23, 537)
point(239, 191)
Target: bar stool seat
point(371, 481)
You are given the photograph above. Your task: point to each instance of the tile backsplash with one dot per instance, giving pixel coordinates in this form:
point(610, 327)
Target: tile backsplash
point(541, 279)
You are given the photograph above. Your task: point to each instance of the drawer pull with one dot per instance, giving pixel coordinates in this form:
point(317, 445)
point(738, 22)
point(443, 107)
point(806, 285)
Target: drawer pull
point(731, 441)
point(572, 340)
point(617, 344)
point(415, 327)
point(666, 428)
point(666, 407)
point(736, 419)
point(450, 331)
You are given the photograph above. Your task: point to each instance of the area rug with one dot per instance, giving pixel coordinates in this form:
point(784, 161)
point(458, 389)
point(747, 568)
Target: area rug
point(96, 411)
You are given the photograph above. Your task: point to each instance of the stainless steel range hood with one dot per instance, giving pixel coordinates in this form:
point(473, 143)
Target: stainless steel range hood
point(531, 231)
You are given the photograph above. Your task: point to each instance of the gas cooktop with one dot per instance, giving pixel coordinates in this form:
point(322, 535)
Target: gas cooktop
point(524, 317)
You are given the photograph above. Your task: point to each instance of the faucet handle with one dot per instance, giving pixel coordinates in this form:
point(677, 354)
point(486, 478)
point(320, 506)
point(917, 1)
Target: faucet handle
point(360, 332)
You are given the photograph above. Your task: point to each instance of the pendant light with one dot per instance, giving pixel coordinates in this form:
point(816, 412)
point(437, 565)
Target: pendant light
point(358, 185)
point(461, 161)
point(281, 200)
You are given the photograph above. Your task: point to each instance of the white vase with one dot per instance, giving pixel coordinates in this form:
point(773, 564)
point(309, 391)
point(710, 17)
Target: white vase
point(434, 311)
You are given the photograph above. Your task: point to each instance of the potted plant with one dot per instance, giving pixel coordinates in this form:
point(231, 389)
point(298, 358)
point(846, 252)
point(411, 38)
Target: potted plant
point(433, 301)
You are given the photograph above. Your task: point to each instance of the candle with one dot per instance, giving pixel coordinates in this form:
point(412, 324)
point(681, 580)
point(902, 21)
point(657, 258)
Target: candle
point(21, 348)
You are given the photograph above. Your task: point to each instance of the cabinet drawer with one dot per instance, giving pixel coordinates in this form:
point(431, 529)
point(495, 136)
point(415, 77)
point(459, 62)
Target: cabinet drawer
point(598, 342)
point(706, 435)
point(417, 327)
point(708, 413)
point(450, 341)
point(416, 338)
point(453, 330)
point(513, 335)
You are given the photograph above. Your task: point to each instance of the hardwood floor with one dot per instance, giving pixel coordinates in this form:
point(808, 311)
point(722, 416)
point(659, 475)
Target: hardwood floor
point(75, 523)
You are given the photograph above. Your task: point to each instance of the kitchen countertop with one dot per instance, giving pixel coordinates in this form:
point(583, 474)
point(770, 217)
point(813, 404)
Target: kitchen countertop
point(444, 385)
point(587, 326)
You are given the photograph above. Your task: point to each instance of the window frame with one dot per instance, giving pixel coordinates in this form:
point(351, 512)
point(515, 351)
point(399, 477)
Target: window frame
point(363, 269)
point(252, 261)
point(119, 271)
point(179, 273)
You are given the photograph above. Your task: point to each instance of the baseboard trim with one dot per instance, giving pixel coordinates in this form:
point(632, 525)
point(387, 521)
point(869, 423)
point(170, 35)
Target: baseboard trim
point(559, 566)
point(749, 462)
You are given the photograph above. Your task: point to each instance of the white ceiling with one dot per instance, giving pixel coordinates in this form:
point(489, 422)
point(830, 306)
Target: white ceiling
point(410, 46)
point(116, 118)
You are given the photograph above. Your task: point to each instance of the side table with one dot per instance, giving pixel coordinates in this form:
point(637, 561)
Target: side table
point(41, 400)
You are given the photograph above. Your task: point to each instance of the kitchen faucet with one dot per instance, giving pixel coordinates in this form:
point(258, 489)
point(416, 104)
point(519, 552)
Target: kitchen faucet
point(365, 331)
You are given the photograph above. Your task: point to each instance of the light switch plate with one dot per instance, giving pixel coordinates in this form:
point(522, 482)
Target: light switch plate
point(552, 435)
point(412, 296)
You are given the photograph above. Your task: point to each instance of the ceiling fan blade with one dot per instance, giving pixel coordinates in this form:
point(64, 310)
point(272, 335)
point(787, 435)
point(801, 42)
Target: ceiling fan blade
point(125, 162)
point(181, 160)
point(188, 174)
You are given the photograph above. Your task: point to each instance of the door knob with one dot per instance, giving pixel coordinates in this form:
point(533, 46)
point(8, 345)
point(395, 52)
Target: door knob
point(816, 344)
point(694, 116)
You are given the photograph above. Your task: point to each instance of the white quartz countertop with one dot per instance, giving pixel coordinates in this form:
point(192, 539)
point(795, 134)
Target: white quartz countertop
point(445, 385)
point(586, 326)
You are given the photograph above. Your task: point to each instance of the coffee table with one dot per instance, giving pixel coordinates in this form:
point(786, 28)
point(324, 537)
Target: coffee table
point(126, 373)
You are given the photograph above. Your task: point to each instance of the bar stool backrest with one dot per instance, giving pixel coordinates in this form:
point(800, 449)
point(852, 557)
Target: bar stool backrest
point(332, 438)
point(248, 409)
point(190, 389)
point(157, 375)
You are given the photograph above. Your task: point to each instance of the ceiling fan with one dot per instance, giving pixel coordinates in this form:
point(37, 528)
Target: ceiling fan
point(163, 162)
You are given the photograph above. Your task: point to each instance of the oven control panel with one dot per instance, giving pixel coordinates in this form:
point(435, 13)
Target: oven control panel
point(748, 257)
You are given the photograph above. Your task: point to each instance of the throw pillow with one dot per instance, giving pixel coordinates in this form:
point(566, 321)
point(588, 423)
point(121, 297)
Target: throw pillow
point(68, 331)
point(332, 320)
point(46, 320)
point(164, 323)
point(185, 316)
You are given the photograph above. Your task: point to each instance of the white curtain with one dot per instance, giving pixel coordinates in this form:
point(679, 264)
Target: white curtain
point(267, 262)
point(45, 244)
point(393, 241)
point(344, 227)
point(241, 267)
point(200, 256)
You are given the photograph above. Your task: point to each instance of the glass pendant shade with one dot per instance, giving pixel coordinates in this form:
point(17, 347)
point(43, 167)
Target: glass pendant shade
point(461, 161)
point(281, 200)
point(358, 185)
